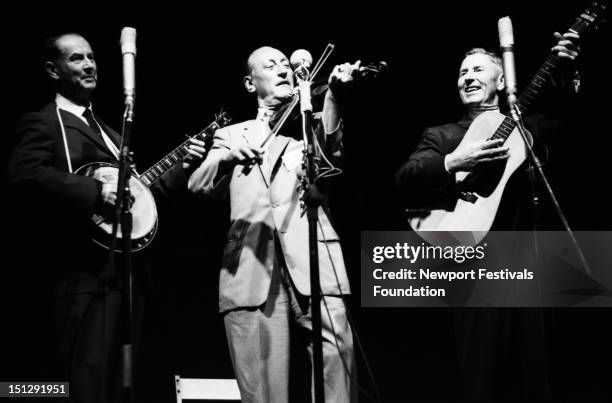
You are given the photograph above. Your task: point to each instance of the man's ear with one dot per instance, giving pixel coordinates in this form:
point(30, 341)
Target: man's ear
point(501, 82)
point(51, 70)
point(248, 83)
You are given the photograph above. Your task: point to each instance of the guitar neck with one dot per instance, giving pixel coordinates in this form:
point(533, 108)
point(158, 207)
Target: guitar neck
point(545, 72)
point(151, 175)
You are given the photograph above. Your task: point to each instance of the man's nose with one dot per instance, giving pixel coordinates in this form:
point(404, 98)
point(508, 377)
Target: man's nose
point(283, 71)
point(89, 64)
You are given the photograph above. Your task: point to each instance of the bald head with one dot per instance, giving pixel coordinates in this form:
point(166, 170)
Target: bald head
point(269, 76)
point(72, 67)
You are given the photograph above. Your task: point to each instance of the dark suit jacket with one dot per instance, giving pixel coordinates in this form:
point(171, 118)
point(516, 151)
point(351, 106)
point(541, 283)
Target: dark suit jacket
point(57, 204)
point(58, 266)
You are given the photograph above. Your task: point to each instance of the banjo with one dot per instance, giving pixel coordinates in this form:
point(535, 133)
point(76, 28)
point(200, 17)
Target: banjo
point(143, 209)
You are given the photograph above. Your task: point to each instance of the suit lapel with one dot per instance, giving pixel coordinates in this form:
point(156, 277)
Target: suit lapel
point(113, 135)
point(277, 148)
point(253, 134)
point(74, 122)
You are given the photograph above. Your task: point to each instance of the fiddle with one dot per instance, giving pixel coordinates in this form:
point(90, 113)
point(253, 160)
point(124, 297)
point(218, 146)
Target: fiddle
point(287, 114)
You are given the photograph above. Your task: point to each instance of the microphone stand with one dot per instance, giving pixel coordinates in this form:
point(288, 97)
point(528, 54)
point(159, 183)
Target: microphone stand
point(536, 168)
point(312, 200)
point(124, 202)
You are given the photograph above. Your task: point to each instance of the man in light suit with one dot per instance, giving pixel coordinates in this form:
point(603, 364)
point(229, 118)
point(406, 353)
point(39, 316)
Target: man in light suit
point(264, 280)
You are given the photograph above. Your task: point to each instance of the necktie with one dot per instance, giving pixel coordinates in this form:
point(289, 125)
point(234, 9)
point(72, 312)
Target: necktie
point(92, 122)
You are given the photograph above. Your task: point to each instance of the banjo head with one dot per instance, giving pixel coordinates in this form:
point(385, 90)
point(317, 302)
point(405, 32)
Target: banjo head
point(144, 210)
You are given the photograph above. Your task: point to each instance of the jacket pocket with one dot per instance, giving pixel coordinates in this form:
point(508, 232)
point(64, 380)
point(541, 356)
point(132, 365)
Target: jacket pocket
point(233, 246)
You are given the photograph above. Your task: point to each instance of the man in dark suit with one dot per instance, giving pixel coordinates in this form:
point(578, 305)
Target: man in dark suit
point(427, 179)
point(51, 144)
point(501, 351)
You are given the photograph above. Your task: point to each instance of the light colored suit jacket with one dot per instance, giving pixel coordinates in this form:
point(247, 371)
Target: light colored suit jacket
point(264, 200)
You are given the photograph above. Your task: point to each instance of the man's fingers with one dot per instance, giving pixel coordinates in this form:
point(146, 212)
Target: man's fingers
point(564, 52)
point(198, 149)
point(495, 151)
point(344, 72)
point(257, 151)
point(194, 153)
point(109, 193)
point(567, 45)
point(496, 158)
point(246, 154)
point(486, 144)
point(484, 155)
point(572, 35)
point(196, 142)
point(252, 152)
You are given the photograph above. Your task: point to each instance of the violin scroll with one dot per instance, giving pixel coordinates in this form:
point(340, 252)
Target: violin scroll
point(371, 70)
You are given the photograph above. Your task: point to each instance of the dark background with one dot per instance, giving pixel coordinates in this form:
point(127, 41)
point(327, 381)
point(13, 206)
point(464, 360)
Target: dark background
point(189, 66)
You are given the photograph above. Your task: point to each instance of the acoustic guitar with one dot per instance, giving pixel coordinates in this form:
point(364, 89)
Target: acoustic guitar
point(480, 193)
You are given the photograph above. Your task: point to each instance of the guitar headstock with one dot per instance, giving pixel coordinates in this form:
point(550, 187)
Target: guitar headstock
point(591, 17)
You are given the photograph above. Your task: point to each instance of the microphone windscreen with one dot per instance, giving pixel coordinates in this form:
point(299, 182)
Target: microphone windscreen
point(128, 40)
point(300, 56)
point(506, 36)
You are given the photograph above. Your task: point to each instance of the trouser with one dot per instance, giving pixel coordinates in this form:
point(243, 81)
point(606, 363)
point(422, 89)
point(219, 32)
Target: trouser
point(89, 327)
point(503, 353)
point(259, 342)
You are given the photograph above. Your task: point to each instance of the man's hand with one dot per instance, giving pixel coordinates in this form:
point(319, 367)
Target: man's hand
point(567, 46)
point(244, 154)
point(109, 193)
point(109, 200)
point(341, 76)
point(470, 157)
point(197, 151)
point(340, 81)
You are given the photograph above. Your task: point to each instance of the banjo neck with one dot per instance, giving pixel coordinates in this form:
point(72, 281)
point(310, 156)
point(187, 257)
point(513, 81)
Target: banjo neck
point(151, 175)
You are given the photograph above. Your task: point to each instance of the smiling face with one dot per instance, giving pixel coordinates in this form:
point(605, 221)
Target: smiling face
point(74, 71)
point(270, 77)
point(479, 80)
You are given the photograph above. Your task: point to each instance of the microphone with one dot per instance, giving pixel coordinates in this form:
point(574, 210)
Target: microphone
point(506, 46)
point(301, 60)
point(128, 50)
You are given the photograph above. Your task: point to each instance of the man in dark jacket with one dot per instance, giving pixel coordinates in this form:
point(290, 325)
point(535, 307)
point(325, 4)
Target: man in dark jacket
point(51, 145)
point(502, 352)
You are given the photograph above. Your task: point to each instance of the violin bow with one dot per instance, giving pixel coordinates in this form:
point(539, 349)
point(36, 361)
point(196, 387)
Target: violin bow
point(294, 101)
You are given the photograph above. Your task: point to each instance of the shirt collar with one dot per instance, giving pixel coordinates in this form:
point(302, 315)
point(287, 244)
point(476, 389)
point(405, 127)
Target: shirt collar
point(67, 105)
point(264, 114)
